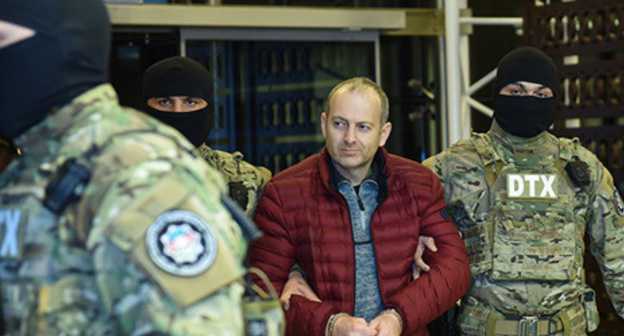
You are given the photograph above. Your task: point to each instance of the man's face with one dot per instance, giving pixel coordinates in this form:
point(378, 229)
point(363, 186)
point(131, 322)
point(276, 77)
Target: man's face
point(11, 33)
point(177, 104)
point(353, 131)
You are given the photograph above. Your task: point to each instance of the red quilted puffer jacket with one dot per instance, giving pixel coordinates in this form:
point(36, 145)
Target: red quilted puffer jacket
point(307, 222)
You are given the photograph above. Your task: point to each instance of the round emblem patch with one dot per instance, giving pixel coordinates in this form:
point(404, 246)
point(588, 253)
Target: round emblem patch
point(617, 201)
point(181, 243)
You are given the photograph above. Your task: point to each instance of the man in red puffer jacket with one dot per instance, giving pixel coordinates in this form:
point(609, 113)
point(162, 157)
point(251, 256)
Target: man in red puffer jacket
point(351, 218)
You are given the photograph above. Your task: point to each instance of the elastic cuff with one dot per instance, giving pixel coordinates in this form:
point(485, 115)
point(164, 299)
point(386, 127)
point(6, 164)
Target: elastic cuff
point(332, 320)
point(298, 269)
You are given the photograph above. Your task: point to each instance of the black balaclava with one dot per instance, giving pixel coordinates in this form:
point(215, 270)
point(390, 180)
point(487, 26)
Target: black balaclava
point(181, 76)
point(67, 56)
point(525, 116)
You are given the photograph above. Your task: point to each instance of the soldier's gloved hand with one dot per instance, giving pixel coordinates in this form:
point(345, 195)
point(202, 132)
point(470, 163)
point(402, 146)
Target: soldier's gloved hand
point(387, 323)
point(347, 325)
point(296, 284)
point(419, 264)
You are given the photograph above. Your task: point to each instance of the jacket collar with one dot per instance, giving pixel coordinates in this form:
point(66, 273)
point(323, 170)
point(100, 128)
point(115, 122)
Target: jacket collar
point(331, 177)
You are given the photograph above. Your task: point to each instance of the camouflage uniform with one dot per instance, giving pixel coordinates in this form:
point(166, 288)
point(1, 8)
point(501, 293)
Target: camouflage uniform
point(245, 181)
point(523, 219)
point(147, 248)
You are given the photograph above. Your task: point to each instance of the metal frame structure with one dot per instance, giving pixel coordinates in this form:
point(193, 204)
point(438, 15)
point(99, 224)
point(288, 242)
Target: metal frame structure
point(320, 35)
point(279, 23)
point(256, 17)
point(455, 71)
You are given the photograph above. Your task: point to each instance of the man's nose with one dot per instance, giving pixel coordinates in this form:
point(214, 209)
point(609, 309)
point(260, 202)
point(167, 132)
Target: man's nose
point(350, 134)
point(178, 106)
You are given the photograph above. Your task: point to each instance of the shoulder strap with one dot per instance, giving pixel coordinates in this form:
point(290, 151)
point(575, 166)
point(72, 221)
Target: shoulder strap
point(492, 163)
point(567, 148)
point(566, 153)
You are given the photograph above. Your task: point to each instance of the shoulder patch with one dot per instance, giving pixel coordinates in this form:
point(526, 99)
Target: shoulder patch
point(617, 201)
point(181, 243)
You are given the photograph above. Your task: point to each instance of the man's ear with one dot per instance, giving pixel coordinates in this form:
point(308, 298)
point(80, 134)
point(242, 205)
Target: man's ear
point(385, 133)
point(324, 123)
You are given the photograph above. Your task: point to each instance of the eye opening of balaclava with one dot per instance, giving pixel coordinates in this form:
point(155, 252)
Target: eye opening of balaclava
point(181, 76)
point(67, 56)
point(525, 116)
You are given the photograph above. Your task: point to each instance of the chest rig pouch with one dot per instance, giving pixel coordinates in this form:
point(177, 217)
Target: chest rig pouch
point(535, 233)
point(470, 214)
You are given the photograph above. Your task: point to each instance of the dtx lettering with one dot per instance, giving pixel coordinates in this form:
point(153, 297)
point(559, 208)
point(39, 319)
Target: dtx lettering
point(9, 226)
point(531, 186)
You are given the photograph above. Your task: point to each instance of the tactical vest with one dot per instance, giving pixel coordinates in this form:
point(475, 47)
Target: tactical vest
point(527, 222)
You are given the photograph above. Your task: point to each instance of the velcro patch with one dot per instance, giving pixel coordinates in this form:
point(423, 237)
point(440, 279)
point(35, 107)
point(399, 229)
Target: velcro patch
point(11, 234)
point(532, 186)
point(181, 243)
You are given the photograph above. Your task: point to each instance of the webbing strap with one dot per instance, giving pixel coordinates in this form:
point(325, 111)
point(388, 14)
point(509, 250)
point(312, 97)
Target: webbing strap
point(566, 324)
point(523, 327)
point(491, 172)
point(572, 318)
point(491, 324)
point(492, 163)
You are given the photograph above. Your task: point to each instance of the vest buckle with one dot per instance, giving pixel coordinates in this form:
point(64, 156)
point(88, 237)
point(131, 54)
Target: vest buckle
point(527, 326)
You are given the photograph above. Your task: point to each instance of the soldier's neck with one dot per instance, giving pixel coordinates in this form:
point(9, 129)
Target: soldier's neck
point(515, 141)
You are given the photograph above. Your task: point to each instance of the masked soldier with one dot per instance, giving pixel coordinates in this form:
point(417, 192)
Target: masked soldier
point(523, 200)
point(179, 92)
point(109, 224)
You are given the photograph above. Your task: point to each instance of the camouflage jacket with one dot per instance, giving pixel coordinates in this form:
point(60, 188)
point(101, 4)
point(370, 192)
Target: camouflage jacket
point(245, 181)
point(111, 225)
point(523, 218)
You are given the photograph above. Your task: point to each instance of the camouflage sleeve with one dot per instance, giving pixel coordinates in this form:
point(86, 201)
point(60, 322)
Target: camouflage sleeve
point(245, 181)
point(436, 164)
point(167, 254)
point(459, 168)
point(605, 220)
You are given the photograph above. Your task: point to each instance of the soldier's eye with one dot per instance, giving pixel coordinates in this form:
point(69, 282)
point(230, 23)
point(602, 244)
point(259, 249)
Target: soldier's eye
point(543, 94)
point(164, 102)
